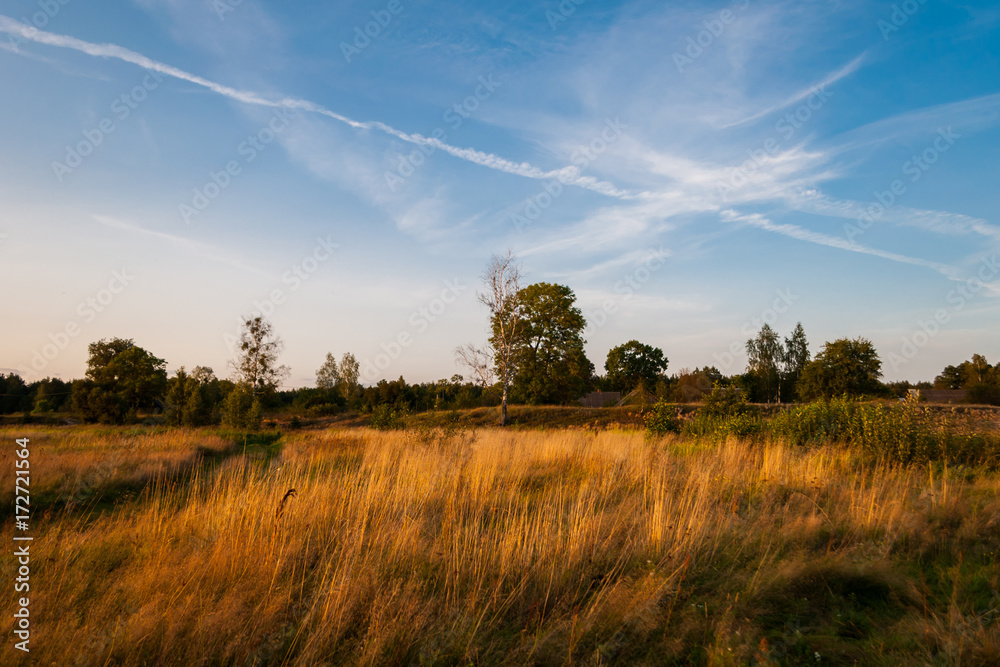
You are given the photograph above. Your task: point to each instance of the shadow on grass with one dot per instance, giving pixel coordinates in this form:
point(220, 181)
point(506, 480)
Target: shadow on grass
point(105, 487)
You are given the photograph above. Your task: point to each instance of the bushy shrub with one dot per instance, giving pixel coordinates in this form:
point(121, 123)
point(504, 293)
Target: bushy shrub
point(742, 425)
point(725, 402)
point(898, 433)
point(662, 419)
point(819, 421)
point(982, 393)
point(386, 417)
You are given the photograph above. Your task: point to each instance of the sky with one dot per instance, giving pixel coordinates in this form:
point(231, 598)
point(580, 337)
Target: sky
point(691, 170)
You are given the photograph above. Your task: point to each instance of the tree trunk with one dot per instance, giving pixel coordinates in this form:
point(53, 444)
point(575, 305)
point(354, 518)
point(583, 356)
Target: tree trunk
point(503, 406)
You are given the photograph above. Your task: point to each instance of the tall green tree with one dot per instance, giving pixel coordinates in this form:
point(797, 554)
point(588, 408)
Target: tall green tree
point(122, 378)
point(952, 377)
point(765, 358)
point(176, 397)
point(843, 367)
point(348, 371)
point(795, 359)
point(328, 375)
point(633, 362)
point(256, 366)
point(14, 395)
point(548, 355)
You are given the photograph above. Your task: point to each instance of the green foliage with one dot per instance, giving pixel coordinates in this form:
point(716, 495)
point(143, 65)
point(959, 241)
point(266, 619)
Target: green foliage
point(14, 394)
point(633, 363)
point(122, 378)
point(257, 363)
point(191, 398)
point(691, 386)
point(662, 419)
point(242, 410)
point(765, 357)
point(983, 393)
point(820, 421)
point(725, 402)
point(725, 412)
point(796, 358)
point(386, 417)
point(898, 433)
point(976, 376)
point(844, 368)
point(740, 425)
point(328, 375)
point(548, 355)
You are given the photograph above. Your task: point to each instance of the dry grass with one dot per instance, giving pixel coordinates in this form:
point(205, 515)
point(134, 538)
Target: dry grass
point(80, 465)
point(494, 547)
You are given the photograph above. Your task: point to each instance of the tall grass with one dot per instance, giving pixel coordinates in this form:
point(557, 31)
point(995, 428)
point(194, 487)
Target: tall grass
point(499, 547)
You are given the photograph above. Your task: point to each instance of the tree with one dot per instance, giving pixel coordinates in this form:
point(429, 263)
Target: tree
point(765, 355)
point(690, 386)
point(242, 409)
point(328, 375)
point(191, 397)
point(634, 362)
point(122, 378)
point(978, 370)
point(14, 395)
point(479, 361)
point(502, 286)
point(548, 357)
point(176, 390)
point(795, 359)
point(844, 367)
point(349, 371)
point(952, 377)
point(256, 367)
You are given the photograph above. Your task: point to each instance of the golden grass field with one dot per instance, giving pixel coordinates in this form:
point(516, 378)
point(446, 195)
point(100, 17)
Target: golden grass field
point(487, 546)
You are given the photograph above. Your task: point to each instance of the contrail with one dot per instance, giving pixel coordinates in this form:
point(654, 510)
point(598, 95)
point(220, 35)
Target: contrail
point(794, 231)
point(829, 80)
point(569, 175)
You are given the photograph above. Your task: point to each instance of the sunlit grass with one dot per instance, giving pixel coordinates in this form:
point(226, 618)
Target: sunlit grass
point(514, 547)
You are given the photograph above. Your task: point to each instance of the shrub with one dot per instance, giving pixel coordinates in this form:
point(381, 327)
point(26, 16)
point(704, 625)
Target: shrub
point(725, 402)
point(741, 425)
point(386, 417)
point(819, 421)
point(982, 393)
point(899, 433)
point(662, 419)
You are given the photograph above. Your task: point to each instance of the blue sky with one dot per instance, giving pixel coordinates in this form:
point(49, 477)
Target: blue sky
point(691, 170)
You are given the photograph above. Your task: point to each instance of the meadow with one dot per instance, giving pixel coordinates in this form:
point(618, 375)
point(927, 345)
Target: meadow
point(454, 545)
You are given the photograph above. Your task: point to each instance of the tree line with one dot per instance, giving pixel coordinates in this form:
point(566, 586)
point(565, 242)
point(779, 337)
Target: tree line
point(534, 355)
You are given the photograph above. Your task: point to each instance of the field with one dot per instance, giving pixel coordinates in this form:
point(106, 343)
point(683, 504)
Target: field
point(454, 545)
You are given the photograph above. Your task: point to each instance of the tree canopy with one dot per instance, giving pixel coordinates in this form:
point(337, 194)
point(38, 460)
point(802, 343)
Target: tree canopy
point(549, 362)
point(843, 368)
point(122, 378)
point(633, 362)
point(257, 363)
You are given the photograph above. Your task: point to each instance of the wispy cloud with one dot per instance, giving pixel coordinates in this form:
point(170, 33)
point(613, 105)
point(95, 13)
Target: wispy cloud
point(195, 248)
point(937, 222)
point(796, 232)
point(828, 80)
point(569, 175)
